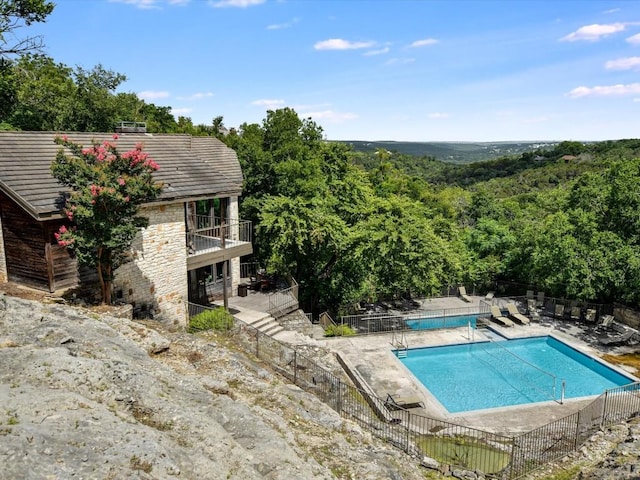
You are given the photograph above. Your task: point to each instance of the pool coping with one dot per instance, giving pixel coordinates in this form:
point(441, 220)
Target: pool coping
point(372, 357)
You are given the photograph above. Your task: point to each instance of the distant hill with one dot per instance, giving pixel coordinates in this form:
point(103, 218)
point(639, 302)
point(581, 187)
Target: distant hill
point(452, 152)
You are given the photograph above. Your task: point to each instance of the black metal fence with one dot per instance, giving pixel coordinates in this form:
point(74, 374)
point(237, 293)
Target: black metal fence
point(497, 456)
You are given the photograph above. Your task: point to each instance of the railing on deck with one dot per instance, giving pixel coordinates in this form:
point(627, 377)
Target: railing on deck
point(205, 233)
point(284, 301)
point(497, 456)
point(388, 322)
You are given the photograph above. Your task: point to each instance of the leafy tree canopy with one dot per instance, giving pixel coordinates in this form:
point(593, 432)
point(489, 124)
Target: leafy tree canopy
point(106, 190)
point(15, 14)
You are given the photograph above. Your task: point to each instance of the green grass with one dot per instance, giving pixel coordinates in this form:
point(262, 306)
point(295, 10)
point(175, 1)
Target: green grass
point(465, 452)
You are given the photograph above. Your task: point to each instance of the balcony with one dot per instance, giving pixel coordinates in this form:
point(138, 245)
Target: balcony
point(209, 241)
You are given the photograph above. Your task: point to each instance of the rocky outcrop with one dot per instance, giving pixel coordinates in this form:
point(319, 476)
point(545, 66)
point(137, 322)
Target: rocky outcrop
point(86, 395)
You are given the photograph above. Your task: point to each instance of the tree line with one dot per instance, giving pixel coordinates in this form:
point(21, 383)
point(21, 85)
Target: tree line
point(353, 226)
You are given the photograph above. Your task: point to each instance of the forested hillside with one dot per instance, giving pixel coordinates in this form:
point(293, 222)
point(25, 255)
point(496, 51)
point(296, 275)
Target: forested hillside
point(367, 222)
point(351, 228)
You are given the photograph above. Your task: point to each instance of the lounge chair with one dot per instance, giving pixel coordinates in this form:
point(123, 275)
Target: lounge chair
point(515, 314)
point(402, 402)
point(559, 311)
point(540, 301)
point(530, 295)
point(496, 315)
point(618, 339)
point(606, 321)
point(489, 296)
point(462, 293)
point(576, 313)
point(590, 316)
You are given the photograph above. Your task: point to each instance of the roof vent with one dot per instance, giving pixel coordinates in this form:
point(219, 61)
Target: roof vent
point(131, 127)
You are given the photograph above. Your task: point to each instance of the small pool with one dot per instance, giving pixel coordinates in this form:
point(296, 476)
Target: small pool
point(448, 321)
point(512, 372)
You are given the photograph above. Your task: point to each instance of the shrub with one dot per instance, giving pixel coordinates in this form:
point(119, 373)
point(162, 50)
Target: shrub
point(216, 319)
point(339, 331)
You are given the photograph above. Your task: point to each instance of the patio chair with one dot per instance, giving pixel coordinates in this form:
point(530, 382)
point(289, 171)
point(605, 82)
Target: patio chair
point(489, 296)
point(559, 311)
point(590, 316)
point(530, 294)
point(540, 301)
point(462, 293)
point(496, 315)
point(576, 313)
point(617, 339)
point(606, 321)
point(515, 314)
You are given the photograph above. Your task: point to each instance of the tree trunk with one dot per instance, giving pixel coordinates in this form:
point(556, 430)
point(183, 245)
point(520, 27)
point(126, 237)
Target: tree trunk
point(104, 275)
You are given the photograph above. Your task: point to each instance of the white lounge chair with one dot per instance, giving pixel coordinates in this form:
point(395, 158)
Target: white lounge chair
point(496, 315)
point(462, 292)
point(515, 314)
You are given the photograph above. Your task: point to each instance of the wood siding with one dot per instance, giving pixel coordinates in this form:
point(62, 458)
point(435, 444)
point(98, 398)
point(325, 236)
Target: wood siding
point(32, 255)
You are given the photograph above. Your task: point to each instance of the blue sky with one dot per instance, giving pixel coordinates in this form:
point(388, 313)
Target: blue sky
point(399, 70)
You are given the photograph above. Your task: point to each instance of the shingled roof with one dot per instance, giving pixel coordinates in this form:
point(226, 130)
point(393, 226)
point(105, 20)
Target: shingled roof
point(190, 167)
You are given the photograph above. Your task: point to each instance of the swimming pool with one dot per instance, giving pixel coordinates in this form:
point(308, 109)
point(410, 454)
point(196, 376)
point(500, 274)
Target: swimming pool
point(448, 321)
point(512, 372)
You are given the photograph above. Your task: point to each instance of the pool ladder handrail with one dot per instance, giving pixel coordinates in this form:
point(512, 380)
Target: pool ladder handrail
point(400, 344)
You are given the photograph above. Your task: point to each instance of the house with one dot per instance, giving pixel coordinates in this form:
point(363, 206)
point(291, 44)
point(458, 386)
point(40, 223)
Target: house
point(190, 250)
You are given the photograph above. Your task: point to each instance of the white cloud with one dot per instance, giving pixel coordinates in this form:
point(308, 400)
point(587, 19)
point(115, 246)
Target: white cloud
point(181, 112)
point(280, 26)
point(330, 116)
point(149, 4)
point(424, 42)
point(234, 3)
point(144, 4)
point(197, 96)
point(594, 32)
point(340, 44)
point(439, 115)
point(610, 11)
point(153, 95)
point(268, 103)
point(634, 39)
point(400, 61)
point(628, 63)
point(605, 90)
point(381, 51)
point(536, 120)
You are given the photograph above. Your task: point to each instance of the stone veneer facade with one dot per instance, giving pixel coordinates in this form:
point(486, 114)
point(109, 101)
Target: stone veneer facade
point(156, 278)
point(234, 264)
point(4, 276)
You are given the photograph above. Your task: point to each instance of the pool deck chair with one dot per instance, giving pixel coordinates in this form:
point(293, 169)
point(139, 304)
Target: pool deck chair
point(590, 316)
point(496, 315)
point(489, 296)
point(540, 301)
point(402, 402)
point(576, 313)
point(606, 321)
point(462, 293)
point(559, 311)
point(515, 314)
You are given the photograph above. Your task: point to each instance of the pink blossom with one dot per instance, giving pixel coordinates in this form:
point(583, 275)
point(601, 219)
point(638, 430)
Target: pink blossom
point(62, 230)
point(69, 215)
point(121, 181)
point(127, 198)
point(115, 136)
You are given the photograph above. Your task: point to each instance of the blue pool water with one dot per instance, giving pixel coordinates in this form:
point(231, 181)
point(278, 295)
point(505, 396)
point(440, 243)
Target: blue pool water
point(512, 372)
point(449, 321)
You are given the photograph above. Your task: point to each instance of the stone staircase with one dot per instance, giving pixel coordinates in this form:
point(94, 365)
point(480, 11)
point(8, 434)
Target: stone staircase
point(261, 321)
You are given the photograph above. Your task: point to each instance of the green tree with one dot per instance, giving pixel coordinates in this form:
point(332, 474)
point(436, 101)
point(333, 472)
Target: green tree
point(106, 191)
point(15, 14)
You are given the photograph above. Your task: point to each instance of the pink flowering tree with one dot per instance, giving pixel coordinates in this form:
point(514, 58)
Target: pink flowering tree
point(106, 189)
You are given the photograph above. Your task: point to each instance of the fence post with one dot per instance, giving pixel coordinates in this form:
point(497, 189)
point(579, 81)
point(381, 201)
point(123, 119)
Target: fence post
point(604, 409)
point(295, 367)
point(258, 343)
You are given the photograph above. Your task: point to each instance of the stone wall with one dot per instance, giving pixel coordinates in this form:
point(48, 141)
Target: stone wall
point(155, 281)
point(3, 261)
